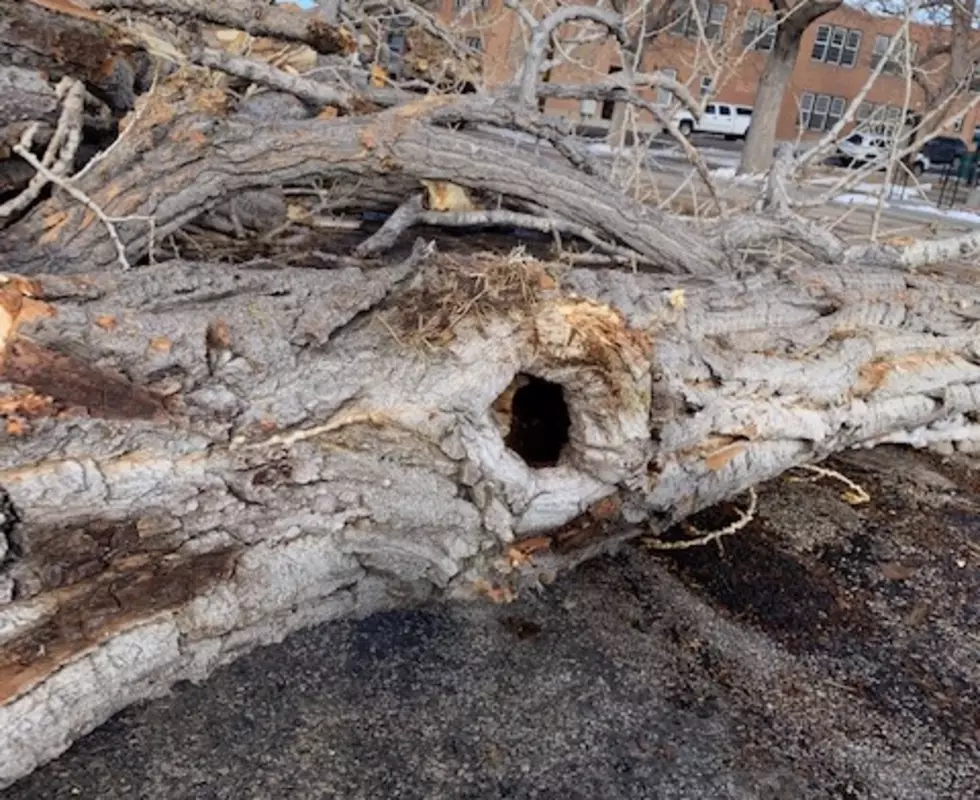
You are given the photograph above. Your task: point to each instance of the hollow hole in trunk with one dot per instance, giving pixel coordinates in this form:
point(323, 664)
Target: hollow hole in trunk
point(537, 418)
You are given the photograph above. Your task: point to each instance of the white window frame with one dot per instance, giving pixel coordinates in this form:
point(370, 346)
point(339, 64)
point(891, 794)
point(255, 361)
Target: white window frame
point(853, 50)
point(820, 112)
point(822, 39)
point(706, 86)
point(806, 107)
point(837, 107)
point(818, 117)
point(896, 62)
point(832, 42)
point(713, 17)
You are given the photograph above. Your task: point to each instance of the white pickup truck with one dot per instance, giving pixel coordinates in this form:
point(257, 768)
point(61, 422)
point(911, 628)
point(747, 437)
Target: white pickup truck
point(723, 119)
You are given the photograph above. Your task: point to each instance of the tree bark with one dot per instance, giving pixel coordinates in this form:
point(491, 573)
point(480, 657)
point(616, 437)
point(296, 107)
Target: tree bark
point(199, 459)
point(65, 40)
point(202, 457)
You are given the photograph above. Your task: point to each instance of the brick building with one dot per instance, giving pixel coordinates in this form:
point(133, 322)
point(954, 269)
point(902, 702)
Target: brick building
point(838, 54)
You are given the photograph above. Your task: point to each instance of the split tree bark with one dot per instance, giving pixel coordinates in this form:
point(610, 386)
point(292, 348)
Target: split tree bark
point(202, 457)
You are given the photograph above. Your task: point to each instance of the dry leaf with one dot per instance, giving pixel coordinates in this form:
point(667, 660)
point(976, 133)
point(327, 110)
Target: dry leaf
point(445, 196)
point(106, 321)
point(676, 299)
point(218, 335)
point(379, 77)
point(607, 508)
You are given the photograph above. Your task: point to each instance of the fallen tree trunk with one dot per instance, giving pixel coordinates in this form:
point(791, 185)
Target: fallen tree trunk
point(200, 457)
point(199, 460)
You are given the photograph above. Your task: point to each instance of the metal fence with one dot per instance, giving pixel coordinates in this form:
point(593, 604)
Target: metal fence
point(958, 181)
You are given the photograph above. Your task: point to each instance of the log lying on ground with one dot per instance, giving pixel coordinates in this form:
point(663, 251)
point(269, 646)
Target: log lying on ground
point(199, 459)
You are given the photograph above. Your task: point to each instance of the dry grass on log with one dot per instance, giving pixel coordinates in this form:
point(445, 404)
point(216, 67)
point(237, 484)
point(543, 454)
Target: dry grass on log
point(458, 288)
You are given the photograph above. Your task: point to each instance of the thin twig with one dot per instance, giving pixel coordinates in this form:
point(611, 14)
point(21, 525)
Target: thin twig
point(744, 518)
point(88, 202)
point(63, 146)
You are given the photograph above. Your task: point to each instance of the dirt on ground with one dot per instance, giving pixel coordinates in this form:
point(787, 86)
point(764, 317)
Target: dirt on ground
point(827, 650)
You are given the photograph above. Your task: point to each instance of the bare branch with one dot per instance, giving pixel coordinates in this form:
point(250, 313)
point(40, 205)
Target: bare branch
point(542, 32)
point(63, 146)
point(254, 17)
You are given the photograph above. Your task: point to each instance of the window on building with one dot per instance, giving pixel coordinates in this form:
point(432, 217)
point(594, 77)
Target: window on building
point(716, 21)
point(864, 111)
point(712, 18)
point(975, 81)
point(837, 105)
point(852, 45)
point(806, 106)
point(587, 109)
point(707, 86)
point(760, 31)
point(609, 106)
point(818, 117)
point(820, 112)
point(896, 61)
point(475, 43)
point(664, 96)
point(836, 45)
point(462, 5)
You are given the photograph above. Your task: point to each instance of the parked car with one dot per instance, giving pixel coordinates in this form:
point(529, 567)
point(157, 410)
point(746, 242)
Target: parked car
point(862, 148)
point(723, 119)
point(945, 150)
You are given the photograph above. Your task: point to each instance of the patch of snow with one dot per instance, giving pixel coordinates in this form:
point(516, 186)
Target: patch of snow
point(957, 215)
point(950, 214)
point(857, 200)
point(729, 174)
point(893, 192)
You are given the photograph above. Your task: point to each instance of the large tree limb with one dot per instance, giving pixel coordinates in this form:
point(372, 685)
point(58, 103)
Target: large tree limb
point(253, 17)
point(240, 155)
point(229, 454)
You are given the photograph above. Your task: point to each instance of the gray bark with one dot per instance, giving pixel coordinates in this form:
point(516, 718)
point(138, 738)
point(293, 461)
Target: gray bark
point(228, 454)
point(199, 458)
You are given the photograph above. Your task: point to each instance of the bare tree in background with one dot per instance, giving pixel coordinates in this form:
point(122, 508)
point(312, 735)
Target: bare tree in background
point(237, 398)
point(793, 18)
